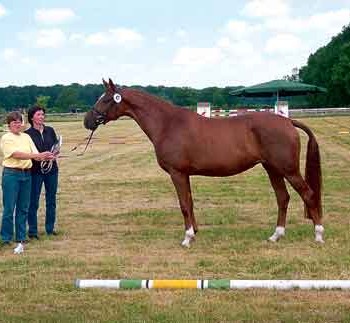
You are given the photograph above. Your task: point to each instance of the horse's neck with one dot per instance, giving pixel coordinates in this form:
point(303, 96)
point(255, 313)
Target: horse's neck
point(151, 115)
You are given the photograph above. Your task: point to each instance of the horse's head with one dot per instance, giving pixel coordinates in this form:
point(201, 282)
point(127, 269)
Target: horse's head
point(108, 107)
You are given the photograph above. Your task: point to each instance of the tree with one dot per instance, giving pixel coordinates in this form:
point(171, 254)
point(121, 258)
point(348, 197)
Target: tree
point(294, 76)
point(67, 99)
point(340, 73)
point(42, 101)
point(328, 67)
point(218, 98)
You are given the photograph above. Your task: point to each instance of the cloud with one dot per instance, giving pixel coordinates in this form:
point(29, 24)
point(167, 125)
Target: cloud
point(101, 59)
point(240, 29)
point(197, 56)
point(238, 49)
point(328, 22)
point(161, 40)
point(54, 15)
point(12, 55)
point(265, 8)
point(9, 54)
point(118, 36)
point(28, 61)
point(3, 10)
point(75, 37)
point(283, 44)
point(50, 38)
point(181, 33)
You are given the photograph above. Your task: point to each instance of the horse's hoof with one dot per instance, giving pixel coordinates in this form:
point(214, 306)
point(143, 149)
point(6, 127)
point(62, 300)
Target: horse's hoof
point(279, 232)
point(319, 240)
point(319, 230)
point(185, 244)
point(275, 237)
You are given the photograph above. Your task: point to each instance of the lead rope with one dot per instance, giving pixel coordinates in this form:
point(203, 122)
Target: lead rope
point(87, 144)
point(46, 165)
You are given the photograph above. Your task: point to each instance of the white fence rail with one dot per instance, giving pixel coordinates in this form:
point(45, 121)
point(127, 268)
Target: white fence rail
point(217, 113)
point(319, 112)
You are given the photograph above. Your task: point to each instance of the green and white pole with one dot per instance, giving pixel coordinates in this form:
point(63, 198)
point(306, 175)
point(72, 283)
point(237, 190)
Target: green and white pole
point(211, 284)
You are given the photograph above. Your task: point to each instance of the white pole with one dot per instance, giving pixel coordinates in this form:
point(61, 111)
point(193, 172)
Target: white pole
point(99, 283)
point(215, 284)
point(290, 284)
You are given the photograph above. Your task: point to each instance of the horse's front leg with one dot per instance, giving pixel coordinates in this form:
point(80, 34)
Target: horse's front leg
point(183, 190)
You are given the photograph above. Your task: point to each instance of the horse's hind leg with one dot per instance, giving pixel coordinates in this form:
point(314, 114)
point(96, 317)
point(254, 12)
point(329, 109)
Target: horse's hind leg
point(307, 195)
point(183, 189)
point(282, 196)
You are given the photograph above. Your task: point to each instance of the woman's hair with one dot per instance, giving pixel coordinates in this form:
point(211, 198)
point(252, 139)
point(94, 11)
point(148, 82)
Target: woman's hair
point(14, 116)
point(32, 111)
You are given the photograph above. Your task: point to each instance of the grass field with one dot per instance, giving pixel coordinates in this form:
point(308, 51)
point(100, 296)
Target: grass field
point(118, 217)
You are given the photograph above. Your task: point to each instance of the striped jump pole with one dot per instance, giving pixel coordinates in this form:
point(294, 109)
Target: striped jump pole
point(211, 284)
point(221, 113)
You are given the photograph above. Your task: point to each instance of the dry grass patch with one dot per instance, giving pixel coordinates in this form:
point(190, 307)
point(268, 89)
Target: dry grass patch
point(119, 218)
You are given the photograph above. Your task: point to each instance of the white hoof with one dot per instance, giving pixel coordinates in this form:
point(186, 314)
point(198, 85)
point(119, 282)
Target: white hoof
point(279, 232)
point(319, 233)
point(189, 236)
point(319, 240)
point(186, 243)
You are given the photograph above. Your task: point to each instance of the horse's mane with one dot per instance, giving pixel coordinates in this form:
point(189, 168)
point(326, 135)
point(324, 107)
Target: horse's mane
point(142, 98)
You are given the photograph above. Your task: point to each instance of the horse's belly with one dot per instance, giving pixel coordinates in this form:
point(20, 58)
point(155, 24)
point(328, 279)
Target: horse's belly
point(222, 168)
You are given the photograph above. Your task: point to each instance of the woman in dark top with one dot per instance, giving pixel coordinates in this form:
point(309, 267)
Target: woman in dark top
point(44, 138)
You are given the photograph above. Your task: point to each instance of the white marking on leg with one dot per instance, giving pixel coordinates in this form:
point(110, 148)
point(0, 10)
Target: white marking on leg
point(279, 232)
point(189, 235)
point(319, 229)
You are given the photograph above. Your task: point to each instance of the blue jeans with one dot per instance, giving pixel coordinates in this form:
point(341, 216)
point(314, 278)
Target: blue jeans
point(50, 181)
point(15, 198)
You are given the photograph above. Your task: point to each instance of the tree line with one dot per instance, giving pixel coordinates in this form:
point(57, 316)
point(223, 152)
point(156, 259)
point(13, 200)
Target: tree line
point(329, 67)
point(76, 97)
point(60, 98)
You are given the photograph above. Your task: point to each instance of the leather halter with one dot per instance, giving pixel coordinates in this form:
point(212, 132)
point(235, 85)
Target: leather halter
point(100, 117)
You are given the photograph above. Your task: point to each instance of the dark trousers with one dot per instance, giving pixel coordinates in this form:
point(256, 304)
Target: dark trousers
point(50, 181)
point(15, 198)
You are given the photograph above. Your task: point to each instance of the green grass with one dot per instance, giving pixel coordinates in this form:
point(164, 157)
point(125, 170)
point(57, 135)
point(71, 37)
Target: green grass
point(118, 217)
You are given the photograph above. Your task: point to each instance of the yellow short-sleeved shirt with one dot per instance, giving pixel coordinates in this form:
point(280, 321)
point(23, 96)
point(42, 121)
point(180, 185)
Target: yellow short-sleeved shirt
point(10, 143)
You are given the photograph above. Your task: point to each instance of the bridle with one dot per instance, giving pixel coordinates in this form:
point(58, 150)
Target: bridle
point(100, 118)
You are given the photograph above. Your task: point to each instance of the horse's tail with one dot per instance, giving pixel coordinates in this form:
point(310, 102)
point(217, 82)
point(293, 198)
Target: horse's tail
point(313, 173)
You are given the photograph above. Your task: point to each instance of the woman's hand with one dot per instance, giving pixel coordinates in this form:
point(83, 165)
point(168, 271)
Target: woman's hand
point(46, 155)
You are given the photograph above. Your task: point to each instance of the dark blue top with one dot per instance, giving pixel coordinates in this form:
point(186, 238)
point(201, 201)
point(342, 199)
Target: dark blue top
point(43, 142)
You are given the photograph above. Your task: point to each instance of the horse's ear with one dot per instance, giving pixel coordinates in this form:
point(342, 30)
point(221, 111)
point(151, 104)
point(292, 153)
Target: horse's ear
point(111, 85)
point(105, 83)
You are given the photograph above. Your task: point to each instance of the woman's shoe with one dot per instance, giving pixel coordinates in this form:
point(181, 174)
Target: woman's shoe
point(19, 249)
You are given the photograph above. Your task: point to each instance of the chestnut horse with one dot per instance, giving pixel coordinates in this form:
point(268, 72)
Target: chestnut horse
point(188, 144)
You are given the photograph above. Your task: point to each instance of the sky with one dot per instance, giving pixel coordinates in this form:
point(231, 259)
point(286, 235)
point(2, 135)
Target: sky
point(162, 42)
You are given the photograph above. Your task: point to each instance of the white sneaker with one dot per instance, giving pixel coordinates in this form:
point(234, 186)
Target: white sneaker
point(19, 249)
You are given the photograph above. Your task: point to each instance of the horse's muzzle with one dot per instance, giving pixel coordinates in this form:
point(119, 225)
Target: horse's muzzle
point(90, 122)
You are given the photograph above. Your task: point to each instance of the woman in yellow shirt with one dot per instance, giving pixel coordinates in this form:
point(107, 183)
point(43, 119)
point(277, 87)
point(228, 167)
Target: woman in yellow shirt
point(19, 150)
